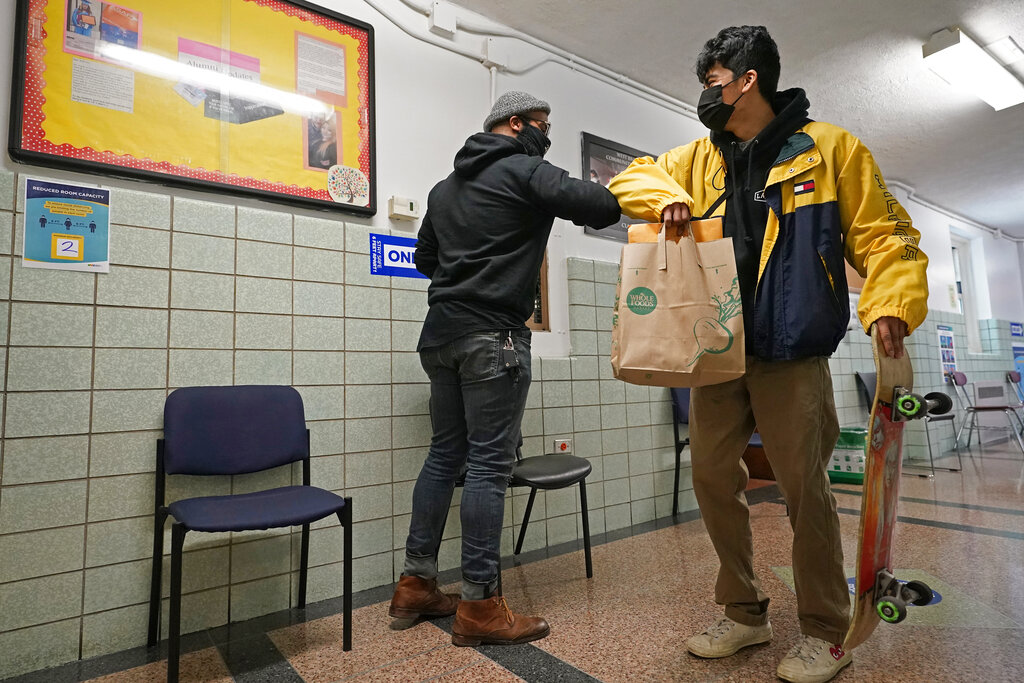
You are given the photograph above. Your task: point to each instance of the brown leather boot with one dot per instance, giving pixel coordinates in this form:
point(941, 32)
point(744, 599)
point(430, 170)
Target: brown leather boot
point(491, 621)
point(415, 597)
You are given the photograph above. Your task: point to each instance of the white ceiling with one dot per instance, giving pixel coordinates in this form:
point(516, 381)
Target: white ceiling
point(859, 61)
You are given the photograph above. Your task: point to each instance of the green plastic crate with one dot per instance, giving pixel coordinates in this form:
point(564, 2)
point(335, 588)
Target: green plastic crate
point(847, 464)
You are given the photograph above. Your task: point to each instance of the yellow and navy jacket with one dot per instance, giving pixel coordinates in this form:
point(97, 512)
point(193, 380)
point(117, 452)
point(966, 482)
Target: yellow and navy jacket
point(827, 202)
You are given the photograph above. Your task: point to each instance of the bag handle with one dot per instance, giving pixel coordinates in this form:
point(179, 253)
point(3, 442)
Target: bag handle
point(663, 248)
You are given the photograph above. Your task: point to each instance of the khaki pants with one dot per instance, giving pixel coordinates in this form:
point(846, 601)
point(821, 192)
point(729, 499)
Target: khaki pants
point(791, 404)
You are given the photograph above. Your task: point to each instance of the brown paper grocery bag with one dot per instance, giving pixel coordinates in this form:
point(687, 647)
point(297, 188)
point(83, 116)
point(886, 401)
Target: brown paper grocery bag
point(678, 320)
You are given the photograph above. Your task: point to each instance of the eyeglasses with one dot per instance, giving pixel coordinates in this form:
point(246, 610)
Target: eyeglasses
point(544, 126)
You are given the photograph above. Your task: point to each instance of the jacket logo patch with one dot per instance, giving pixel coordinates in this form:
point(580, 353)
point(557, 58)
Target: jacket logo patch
point(804, 187)
point(759, 196)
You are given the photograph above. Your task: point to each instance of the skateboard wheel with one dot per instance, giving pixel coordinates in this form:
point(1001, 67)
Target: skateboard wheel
point(940, 403)
point(923, 591)
point(891, 610)
point(909, 405)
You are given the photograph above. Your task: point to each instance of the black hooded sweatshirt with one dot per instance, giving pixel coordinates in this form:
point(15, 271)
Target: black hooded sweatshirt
point(483, 236)
point(747, 166)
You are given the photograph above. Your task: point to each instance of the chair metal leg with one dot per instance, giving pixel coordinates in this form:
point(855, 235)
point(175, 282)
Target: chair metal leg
point(679, 453)
point(961, 431)
point(931, 458)
point(304, 564)
point(154, 587)
point(675, 487)
point(526, 521)
point(1019, 420)
point(346, 523)
point(586, 529)
point(1013, 429)
point(956, 447)
point(178, 532)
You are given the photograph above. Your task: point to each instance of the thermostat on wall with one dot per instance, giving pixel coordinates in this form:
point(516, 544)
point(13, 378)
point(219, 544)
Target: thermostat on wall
point(403, 208)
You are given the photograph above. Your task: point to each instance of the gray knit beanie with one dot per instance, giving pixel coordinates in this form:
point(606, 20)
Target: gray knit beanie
point(511, 104)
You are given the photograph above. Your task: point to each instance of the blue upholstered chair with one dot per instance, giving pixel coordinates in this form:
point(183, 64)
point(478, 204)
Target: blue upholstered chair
point(237, 430)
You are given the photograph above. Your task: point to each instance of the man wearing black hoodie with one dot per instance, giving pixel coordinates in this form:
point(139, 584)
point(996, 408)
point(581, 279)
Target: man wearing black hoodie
point(798, 197)
point(481, 244)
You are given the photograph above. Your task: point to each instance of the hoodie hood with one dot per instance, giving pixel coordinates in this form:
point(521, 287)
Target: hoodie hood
point(483, 149)
point(790, 108)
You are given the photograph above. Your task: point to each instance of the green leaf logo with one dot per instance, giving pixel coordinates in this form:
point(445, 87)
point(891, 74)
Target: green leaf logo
point(641, 300)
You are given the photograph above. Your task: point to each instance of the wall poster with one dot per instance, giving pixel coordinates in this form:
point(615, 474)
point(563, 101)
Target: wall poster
point(603, 159)
point(67, 226)
point(265, 98)
point(947, 353)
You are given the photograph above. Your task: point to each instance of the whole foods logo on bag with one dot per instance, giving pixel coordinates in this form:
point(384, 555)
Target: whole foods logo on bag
point(641, 300)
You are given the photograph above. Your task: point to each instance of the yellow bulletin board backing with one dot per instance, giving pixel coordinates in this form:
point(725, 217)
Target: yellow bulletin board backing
point(265, 98)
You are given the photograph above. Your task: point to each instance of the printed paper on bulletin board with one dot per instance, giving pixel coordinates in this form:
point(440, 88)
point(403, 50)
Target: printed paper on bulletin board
point(259, 97)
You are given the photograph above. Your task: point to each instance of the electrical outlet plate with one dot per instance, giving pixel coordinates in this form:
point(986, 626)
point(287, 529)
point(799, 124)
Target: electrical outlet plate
point(563, 446)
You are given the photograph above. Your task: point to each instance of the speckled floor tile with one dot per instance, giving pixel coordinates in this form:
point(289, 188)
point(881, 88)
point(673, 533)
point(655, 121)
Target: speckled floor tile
point(204, 666)
point(650, 591)
point(314, 648)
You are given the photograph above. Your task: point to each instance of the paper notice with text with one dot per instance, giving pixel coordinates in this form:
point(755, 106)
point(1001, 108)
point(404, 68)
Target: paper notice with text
point(320, 69)
point(102, 85)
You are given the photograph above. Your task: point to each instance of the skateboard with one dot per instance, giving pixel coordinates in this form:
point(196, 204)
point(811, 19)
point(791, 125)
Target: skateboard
point(879, 595)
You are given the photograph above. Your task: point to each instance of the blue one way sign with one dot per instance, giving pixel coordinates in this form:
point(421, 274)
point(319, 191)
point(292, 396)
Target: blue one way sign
point(393, 256)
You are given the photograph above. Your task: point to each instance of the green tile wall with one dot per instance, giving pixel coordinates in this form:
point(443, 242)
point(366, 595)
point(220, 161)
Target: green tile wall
point(206, 292)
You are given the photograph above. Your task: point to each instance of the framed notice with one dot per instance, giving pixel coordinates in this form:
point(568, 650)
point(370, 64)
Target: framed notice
point(265, 98)
point(603, 159)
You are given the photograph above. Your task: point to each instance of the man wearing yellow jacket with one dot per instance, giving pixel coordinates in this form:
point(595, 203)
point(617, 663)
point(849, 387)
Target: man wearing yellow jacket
point(797, 197)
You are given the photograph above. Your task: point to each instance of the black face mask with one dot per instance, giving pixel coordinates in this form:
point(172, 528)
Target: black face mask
point(712, 111)
point(536, 143)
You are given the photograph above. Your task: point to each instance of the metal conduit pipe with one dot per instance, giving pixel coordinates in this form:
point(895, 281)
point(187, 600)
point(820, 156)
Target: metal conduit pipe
point(560, 57)
point(604, 75)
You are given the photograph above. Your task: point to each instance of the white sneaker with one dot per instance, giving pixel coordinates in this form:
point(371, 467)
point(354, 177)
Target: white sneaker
point(726, 637)
point(813, 660)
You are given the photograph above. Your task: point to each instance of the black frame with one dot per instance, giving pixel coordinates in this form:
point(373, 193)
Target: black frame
point(591, 144)
point(19, 154)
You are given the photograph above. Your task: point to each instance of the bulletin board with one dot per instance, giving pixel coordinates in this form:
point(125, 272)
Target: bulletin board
point(265, 98)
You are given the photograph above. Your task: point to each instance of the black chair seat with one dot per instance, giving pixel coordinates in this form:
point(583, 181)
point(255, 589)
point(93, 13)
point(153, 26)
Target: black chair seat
point(272, 508)
point(550, 471)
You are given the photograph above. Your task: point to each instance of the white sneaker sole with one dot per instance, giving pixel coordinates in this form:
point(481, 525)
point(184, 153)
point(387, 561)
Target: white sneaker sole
point(717, 654)
point(804, 678)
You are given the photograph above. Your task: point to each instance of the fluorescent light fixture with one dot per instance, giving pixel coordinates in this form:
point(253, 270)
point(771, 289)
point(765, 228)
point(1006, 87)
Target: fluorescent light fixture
point(965, 65)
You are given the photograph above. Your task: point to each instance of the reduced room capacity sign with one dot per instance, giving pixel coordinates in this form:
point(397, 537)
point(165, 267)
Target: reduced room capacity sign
point(392, 255)
point(67, 226)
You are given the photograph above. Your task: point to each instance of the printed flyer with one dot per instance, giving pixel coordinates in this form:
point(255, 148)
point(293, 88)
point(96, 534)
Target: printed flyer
point(67, 227)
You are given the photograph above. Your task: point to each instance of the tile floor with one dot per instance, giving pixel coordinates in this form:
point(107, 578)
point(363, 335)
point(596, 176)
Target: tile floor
point(963, 533)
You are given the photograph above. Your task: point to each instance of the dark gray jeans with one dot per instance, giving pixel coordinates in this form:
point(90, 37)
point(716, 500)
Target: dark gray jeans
point(476, 409)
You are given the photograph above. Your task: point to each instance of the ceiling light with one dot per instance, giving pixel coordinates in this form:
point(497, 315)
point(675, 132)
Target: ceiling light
point(963, 64)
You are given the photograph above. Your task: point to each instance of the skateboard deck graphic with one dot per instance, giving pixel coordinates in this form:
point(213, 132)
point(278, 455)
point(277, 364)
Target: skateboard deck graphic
point(878, 595)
